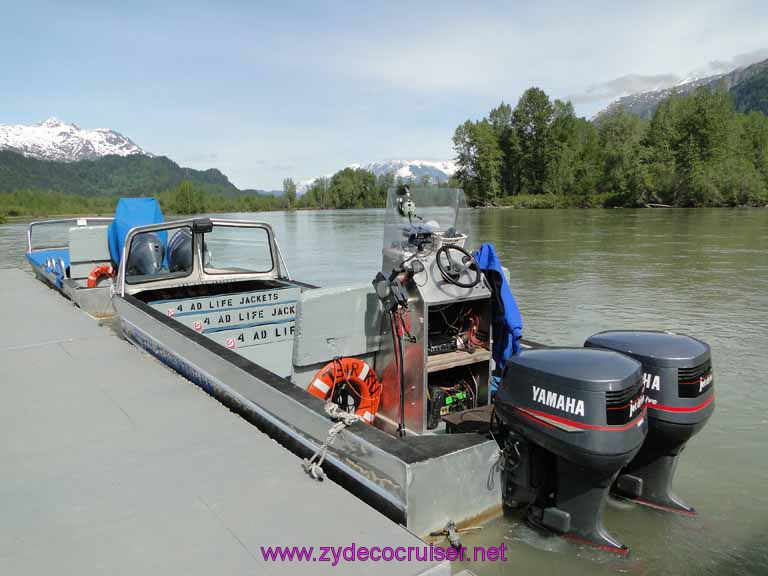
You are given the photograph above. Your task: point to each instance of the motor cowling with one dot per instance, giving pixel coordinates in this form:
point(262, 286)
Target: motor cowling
point(571, 418)
point(146, 255)
point(679, 384)
point(180, 251)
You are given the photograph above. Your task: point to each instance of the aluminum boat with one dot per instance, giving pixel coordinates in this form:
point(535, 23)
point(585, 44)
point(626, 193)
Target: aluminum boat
point(414, 391)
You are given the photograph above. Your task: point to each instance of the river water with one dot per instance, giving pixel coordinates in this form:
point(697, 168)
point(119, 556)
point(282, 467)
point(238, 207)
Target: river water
point(576, 272)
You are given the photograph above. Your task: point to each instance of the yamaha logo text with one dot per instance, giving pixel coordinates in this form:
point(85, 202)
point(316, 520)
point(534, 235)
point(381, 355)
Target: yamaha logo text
point(558, 401)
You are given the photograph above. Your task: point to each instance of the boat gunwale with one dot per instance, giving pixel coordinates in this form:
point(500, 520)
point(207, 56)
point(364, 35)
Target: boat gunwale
point(410, 450)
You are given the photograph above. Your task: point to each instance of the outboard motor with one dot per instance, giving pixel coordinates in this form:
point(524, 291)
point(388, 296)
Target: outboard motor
point(146, 255)
point(571, 418)
point(677, 375)
point(180, 251)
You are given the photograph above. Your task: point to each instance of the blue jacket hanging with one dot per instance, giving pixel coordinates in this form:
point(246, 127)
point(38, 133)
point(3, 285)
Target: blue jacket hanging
point(507, 322)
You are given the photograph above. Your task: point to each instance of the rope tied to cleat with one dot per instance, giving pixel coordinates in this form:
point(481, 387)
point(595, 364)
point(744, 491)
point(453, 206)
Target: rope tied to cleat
point(314, 465)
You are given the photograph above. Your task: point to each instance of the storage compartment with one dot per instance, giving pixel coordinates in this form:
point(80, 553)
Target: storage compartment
point(458, 327)
point(454, 390)
point(457, 359)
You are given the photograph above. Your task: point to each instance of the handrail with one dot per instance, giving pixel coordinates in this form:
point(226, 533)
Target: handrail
point(62, 221)
point(282, 260)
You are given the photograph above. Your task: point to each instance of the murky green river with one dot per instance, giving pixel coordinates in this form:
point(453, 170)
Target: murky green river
point(574, 273)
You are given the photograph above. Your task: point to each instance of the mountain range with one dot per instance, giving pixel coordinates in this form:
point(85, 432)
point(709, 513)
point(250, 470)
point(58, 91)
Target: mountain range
point(62, 156)
point(437, 171)
point(748, 86)
point(62, 142)
point(132, 175)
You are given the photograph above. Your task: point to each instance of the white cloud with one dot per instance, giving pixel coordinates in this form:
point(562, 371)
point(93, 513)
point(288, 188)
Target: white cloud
point(738, 61)
point(629, 84)
point(434, 62)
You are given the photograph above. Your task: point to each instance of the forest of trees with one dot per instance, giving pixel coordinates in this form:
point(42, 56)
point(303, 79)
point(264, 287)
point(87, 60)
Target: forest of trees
point(186, 198)
point(696, 150)
point(133, 175)
point(348, 188)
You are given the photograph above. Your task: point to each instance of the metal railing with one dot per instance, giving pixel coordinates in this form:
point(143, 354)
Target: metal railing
point(198, 271)
point(74, 221)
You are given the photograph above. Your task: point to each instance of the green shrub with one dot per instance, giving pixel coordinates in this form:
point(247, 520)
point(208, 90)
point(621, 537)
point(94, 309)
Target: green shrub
point(532, 201)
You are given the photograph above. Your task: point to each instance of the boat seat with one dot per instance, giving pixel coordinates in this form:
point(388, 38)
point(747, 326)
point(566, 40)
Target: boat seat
point(88, 248)
point(331, 322)
point(39, 258)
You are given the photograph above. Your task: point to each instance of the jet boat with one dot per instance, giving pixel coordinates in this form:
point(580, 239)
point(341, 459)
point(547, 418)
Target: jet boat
point(388, 387)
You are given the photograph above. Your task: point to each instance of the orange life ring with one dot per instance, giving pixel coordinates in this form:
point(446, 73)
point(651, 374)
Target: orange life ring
point(98, 272)
point(365, 384)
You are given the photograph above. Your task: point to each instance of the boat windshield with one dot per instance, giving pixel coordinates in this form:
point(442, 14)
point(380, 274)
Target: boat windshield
point(237, 250)
point(423, 218)
point(167, 251)
point(159, 254)
point(49, 234)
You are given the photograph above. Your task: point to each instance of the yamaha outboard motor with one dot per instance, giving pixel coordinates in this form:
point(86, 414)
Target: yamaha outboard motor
point(180, 251)
point(571, 418)
point(146, 255)
point(677, 374)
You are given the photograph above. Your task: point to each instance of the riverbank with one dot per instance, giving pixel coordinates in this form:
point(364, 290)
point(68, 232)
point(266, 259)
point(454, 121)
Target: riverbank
point(547, 201)
point(524, 204)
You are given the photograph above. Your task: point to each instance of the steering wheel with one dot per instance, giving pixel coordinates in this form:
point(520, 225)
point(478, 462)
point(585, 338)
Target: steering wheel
point(453, 270)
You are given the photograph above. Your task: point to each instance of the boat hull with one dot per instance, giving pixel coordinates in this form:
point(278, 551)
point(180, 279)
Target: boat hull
point(422, 482)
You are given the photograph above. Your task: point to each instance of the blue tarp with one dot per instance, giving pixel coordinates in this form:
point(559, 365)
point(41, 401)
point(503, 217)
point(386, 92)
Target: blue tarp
point(131, 212)
point(507, 322)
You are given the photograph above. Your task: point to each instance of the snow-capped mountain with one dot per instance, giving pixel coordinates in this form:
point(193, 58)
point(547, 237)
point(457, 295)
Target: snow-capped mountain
point(645, 103)
point(57, 140)
point(437, 171)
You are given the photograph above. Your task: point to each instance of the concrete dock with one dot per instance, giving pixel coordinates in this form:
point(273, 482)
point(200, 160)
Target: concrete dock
point(113, 464)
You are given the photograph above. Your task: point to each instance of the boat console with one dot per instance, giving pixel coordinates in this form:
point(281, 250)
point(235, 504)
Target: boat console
point(436, 323)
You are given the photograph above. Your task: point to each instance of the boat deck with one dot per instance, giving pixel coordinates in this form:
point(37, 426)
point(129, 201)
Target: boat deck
point(112, 463)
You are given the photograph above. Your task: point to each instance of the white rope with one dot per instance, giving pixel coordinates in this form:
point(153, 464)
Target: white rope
point(314, 466)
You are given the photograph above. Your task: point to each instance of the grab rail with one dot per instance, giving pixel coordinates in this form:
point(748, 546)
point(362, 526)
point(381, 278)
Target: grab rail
point(198, 270)
point(77, 221)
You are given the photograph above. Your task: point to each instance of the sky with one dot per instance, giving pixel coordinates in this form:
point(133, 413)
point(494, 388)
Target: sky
point(269, 90)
